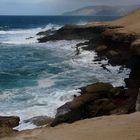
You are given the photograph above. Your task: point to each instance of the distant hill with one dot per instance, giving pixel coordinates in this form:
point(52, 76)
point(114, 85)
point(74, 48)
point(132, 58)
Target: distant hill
point(102, 11)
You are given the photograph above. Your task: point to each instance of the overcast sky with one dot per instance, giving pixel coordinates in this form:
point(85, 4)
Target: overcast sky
point(52, 7)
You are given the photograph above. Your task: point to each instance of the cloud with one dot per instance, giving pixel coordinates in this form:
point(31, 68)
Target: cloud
point(48, 7)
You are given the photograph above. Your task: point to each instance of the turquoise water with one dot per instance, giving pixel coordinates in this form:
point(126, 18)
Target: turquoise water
point(35, 79)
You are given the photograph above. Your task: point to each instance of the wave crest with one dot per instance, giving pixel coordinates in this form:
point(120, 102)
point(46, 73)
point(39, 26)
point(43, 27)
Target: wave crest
point(24, 36)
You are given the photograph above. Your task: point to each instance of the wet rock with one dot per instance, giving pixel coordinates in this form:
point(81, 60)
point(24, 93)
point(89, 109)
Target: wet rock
point(71, 32)
point(63, 109)
point(113, 53)
point(29, 38)
point(98, 87)
point(100, 107)
point(138, 102)
point(113, 36)
point(69, 117)
point(119, 111)
point(11, 122)
point(47, 33)
point(95, 100)
point(82, 44)
point(83, 99)
point(40, 120)
point(101, 48)
point(132, 82)
point(135, 46)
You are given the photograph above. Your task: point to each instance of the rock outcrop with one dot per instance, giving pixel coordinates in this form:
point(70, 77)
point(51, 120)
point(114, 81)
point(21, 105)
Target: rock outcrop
point(75, 32)
point(119, 42)
point(138, 102)
point(96, 100)
point(40, 120)
point(7, 124)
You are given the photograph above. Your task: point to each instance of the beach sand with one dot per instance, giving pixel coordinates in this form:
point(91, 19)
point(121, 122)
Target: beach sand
point(123, 127)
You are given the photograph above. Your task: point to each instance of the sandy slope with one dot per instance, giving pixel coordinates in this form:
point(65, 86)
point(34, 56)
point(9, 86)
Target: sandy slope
point(131, 22)
point(124, 127)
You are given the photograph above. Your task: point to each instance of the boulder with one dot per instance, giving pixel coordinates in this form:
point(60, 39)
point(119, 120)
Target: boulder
point(119, 111)
point(98, 88)
point(97, 100)
point(113, 53)
point(63, 109)
point(69, 117)
point(79, 101)
point(135, 46)
point(100, 107)
point(46, 33)
point(138, 102)
point(74, 32)
point(11, 122)
point(40, 120)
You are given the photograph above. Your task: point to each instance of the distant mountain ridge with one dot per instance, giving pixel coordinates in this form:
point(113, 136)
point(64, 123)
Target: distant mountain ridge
point(102, 11)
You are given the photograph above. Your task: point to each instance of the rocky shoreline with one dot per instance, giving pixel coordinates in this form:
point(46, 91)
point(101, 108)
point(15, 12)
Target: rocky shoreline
point(7, 124)
point(121, 47)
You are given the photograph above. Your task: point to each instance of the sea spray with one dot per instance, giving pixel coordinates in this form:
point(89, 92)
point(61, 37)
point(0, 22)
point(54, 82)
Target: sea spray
point(35, 79)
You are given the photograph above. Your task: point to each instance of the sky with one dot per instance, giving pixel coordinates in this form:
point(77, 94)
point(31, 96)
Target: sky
point(52, 7)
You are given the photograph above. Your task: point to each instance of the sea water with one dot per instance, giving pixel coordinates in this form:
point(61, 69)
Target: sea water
point(37, 78)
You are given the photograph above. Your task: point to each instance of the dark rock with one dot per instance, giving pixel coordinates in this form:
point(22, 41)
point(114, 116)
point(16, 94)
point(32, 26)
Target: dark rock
point(40, 120)
point(100, 107)
point(135, 46)
point(101, 48)
point(96, 100)
point(119, 111)
point(138, 102)
point(29, 38)
point(11, 122)
point(132, 83)
point(98, 87)
point(71, 32)
point(47, 33)
point(63, 109)
point(83, 99)
point(82, 44)
point(113, 53)
point(69, 117)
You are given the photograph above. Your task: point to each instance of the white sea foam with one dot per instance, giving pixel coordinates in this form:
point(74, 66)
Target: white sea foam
point(40, 104)
point(24, 36)
point(25, 126)
point(45, 83)
point(45, 98)
point(113, 75)
point(82, 22)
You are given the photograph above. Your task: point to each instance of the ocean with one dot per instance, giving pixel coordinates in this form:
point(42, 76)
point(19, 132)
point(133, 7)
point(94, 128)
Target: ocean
point(37, 78)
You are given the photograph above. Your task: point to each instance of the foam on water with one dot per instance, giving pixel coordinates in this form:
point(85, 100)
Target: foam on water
point(52, 89)
point(24, 36)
